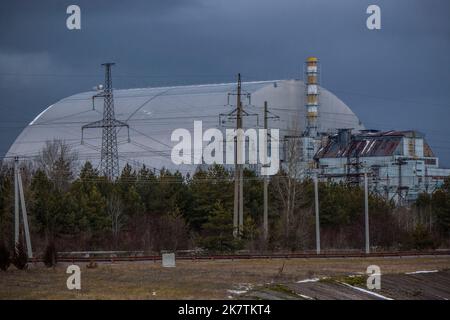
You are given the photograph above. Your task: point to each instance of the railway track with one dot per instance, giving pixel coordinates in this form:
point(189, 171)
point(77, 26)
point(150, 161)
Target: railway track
point(136, 258)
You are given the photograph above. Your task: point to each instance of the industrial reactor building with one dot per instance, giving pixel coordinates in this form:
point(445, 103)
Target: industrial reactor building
point(140, 123)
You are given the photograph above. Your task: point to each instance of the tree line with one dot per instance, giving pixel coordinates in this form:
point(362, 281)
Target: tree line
point(154, 210)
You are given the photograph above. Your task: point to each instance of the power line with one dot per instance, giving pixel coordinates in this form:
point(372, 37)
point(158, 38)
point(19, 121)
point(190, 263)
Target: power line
point(109, 152)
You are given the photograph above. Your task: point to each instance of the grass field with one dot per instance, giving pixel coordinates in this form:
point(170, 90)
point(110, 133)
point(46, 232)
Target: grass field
point(221, 279)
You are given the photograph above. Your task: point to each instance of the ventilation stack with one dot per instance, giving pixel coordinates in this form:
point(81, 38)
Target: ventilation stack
point(312, 96)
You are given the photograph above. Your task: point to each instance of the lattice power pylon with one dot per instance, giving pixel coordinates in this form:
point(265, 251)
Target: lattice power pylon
point(109, 125)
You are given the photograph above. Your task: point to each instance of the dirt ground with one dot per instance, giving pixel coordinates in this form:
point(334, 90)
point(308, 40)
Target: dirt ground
point(221, 279)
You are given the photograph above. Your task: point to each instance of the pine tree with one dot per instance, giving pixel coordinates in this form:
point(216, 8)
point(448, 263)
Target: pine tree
point(207, 188)
point(6, 199)
point(218, 231)
point(43, 194)
point(440, 203)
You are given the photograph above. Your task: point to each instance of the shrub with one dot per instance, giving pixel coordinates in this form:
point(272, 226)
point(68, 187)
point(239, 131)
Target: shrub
point(20, 258)
point(50, 256)
point(422, 239)
point(4, 257)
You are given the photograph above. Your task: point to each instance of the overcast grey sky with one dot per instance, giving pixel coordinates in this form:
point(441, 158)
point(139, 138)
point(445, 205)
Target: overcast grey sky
point(394, 78)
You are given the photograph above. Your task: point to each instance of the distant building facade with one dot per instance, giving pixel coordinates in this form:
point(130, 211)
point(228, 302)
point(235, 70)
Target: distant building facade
point(400, 164)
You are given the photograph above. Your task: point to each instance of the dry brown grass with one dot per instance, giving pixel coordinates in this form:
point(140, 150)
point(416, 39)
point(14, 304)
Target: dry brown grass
point(190, 279)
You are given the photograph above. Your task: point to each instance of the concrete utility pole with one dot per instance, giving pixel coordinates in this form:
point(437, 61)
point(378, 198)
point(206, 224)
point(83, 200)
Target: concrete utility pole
point(238, 217)
point(19, 193)
point(16, 203)
point(316, 206)
point(366, 212)
point(266, 182)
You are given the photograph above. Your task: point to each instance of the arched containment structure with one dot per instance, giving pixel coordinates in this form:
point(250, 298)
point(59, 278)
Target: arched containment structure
point(153, 114)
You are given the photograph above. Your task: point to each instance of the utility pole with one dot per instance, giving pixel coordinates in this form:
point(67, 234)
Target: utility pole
point(18, 192)
point(267, 115)
point(316, 206)
point(238, 216)
point(238, 113)
point(109, 124)
point(16, 203)
point(401, 190)
point(266, 182)
point(366, 212)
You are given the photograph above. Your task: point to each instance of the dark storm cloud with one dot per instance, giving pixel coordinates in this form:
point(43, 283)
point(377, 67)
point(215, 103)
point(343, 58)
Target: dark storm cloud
point(395, 78)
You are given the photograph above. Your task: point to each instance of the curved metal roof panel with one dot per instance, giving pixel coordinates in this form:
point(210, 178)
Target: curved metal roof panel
point(153, 113)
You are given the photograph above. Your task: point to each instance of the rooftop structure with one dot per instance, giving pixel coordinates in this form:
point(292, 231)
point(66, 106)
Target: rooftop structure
point(401, 163)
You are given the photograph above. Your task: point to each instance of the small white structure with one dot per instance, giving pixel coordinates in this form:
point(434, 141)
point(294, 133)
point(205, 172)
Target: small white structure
point(168, 260)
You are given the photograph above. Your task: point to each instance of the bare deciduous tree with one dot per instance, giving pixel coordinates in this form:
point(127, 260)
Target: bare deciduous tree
point(115, 210)
point(288, 182)
point(57, 159)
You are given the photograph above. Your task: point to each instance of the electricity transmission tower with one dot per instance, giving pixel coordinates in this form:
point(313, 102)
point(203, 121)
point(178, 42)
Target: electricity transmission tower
point(109, 124)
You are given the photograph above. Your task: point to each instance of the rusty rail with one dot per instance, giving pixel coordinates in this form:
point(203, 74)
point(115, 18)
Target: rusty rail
point(342, 254)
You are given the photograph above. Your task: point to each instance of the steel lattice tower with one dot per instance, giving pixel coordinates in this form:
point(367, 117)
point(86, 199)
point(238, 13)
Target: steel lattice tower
point(109, 155)
point(109, 124)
